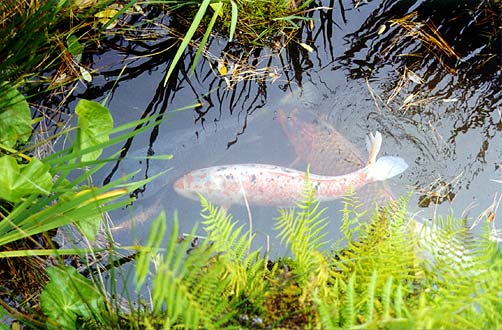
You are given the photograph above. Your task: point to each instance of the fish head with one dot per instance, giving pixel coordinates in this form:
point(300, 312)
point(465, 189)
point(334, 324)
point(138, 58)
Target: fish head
point(299, 131)
point(210, 182)
point(185, 187)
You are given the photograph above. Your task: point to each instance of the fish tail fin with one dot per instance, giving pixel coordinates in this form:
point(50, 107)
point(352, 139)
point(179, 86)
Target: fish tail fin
point(386, 168)
point(373, 144)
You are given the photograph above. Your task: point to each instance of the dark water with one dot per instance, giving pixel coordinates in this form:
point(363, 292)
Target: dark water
point(355, 79)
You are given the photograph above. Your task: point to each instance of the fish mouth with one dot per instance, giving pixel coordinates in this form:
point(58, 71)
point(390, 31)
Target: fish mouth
point(179, 186)
point(182, 188)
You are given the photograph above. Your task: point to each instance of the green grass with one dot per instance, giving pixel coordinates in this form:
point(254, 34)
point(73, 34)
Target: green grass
point(259, 23)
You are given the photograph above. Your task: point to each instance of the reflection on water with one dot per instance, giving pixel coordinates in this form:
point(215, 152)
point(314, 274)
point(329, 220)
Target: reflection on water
point(444, 118)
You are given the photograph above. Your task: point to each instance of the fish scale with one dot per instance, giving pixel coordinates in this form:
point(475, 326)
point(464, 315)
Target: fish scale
point(328, 152)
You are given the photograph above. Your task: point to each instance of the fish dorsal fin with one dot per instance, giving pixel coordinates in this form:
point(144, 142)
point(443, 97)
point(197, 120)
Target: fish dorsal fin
point(373, 144)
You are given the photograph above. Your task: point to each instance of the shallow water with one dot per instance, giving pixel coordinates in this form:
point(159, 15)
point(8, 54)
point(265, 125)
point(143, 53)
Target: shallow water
point(452, 133)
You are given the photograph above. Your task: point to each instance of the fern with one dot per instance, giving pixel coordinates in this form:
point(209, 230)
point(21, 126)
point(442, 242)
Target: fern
point(387, 275)
point(465, 275)
point(371, 271)
point(302, 230)
point(384, 245)
point(188, 288)
point(222, 232)
point(352, 215)
point(202, 286)
point(244, 270)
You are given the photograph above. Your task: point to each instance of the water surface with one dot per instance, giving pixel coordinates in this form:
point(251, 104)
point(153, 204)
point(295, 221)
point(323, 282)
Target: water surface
point(448, 127)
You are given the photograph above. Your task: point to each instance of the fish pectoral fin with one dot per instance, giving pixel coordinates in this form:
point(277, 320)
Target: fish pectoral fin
point(373, 144)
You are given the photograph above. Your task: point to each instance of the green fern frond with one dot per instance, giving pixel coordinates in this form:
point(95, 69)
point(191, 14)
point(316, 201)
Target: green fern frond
point(349, 308)
point(303, 231)
point(373, 272)
point(377, 280)
point(352, 215)
point(223, 233)
point(189, 289)
point(326, 312)
point(244, 272)
point(385, 245)
point(463, 274)
point(254, 286)
point(370, 297)
point(386, 298)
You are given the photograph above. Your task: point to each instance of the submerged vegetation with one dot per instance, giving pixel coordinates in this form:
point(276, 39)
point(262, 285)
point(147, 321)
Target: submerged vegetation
point(388, 272)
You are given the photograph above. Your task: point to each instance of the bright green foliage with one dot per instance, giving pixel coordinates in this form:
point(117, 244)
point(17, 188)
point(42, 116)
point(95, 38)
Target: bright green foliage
point(196, 285)
point(393, 276)
point(388, 274)
point(21, 180)
point(189, 289)
point(15, 117)
point(232, 246)
point(303, 231)
point(35, 210)
point(69, 295)
point(23, 185)
point(95, 124)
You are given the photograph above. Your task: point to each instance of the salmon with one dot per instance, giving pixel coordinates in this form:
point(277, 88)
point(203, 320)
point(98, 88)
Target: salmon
point(271, 185)
point(328, 152)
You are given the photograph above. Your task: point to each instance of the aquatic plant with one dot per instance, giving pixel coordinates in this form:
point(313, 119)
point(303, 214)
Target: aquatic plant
point(254, 21)
point(43, 37)
point(40, 195)
point(383, 273)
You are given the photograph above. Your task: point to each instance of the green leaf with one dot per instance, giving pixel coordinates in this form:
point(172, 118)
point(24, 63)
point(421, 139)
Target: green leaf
point(144, 258)
point(217, 7)
point(233, 22)
point(18, 181)
point(74, 46)
point(188, 36)
point(68, 295)
point(90, 226)
point(95, 124)
point(3, 313)
point(15, 118)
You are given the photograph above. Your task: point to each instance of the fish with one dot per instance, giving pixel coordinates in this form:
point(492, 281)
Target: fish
point(320, 145)
point(272, 185)
point(328, 152)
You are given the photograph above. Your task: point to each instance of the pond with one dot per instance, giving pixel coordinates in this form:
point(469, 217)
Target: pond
point(355, 69)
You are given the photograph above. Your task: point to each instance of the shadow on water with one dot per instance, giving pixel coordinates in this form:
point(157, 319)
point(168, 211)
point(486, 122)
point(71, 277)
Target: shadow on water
point(437, 108)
